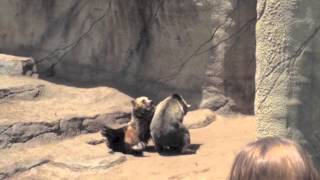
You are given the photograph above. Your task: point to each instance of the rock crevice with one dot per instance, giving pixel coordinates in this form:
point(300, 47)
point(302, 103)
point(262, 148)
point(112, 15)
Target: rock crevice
point(68, 127)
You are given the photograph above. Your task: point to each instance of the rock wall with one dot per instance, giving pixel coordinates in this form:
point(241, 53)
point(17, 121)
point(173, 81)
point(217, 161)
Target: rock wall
point(203, 49)
point(287, 77)
point(229, 77)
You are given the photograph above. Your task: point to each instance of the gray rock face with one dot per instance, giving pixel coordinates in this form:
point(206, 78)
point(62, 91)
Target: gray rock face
point(229, 76)
point(287, 77)
point(68, 127)
point(24, 92)
point(200, 48)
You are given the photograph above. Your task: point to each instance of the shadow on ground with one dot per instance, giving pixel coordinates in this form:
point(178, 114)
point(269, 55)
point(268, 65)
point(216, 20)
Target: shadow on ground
point(193, 147)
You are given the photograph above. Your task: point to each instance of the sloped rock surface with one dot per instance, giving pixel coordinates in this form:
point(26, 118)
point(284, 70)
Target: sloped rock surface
point(60, 101)
point(57, 111)
point(73, 157)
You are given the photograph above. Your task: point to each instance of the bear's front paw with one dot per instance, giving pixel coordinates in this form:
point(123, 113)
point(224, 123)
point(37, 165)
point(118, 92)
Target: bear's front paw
point(139, 147)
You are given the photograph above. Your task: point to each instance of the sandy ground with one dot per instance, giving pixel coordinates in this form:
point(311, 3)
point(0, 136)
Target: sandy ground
point(219, 142)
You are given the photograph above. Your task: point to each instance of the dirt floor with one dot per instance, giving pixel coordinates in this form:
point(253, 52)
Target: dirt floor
point(219, 142)
point(75, 159)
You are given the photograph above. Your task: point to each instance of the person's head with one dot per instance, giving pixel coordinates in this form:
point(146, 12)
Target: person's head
point(273, 158)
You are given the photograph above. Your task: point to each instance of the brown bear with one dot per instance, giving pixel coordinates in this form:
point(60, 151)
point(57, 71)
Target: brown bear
point(133, 137)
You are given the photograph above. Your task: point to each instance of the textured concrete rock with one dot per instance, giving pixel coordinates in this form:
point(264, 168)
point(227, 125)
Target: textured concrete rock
point(229, 76)
point(22, 132)
point(95, 124)
point(67, 127)
point(64, 159)
point(15, 65)
point(58, 102)
point(200, 48)
point(71, 127)
point(199, 118)
point(25, 92)
point(15, 169)
point(287, 77)
point(58, 113)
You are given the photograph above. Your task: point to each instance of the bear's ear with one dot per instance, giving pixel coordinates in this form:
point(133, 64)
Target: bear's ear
point(133, 102)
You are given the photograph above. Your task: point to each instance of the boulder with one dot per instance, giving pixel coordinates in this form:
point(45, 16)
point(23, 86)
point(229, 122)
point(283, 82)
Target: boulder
point(199, 118)
point(17, 65)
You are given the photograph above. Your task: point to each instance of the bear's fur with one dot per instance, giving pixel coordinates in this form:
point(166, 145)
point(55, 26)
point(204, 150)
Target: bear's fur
point(167, 129)
point(132, 138)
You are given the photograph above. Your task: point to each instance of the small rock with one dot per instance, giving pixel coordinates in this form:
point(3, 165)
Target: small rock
point(96, 142)
point(16, 65)
point(25, 92)
point(214, 102)
point(71, 127)
point(199, 118)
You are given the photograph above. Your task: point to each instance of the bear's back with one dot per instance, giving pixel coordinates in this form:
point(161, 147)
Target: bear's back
point(167, 115)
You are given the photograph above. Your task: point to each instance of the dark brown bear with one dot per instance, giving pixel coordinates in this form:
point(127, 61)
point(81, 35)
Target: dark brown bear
point(168, 132)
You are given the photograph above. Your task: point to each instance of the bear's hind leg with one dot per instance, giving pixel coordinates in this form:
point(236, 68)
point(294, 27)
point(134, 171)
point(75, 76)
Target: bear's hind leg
point(185, 149)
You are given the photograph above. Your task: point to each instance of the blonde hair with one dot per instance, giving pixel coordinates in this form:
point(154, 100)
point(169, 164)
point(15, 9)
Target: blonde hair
point(273, 158)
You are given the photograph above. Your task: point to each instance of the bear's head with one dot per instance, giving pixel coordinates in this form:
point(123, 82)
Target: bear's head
point(142, 106)
point(182, 103)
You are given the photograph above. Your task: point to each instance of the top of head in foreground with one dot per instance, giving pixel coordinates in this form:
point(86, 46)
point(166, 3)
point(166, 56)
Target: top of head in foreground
point(273, 158)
